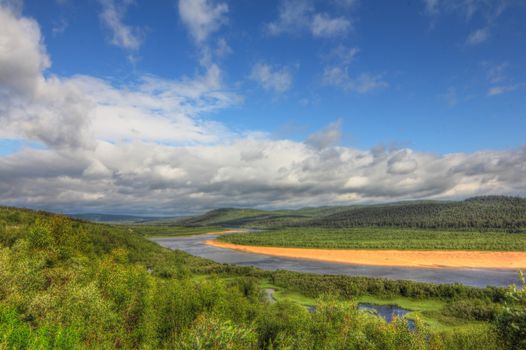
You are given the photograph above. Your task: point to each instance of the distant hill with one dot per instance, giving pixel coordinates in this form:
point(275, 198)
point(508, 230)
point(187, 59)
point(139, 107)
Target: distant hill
point(489, 212)
point(257, 218)
point(114, 218)
point(492, 212)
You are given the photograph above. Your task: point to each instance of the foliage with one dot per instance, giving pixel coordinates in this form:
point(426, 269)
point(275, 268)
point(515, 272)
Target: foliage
point(382, 238)
point(67, 284)
point(347, 287)
point(511, 323)
point(479, 213)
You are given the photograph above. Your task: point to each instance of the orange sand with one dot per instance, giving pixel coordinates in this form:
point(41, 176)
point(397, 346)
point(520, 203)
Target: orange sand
point(400, 258)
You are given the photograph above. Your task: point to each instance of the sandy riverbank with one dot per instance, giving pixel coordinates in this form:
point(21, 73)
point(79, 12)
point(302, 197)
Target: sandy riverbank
point(398, 258)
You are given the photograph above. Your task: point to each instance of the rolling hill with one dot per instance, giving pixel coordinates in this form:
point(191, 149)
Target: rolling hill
point(478, 213)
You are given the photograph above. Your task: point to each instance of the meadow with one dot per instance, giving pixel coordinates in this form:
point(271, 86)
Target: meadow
point(382, 238)
point(169, 231)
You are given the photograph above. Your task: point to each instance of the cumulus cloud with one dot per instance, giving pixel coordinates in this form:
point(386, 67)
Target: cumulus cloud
point(202, 17)
point(274, 79)
point(122, 35)
point(297, 16)
point(76, 112)
point(147, 147)
point(247, 172)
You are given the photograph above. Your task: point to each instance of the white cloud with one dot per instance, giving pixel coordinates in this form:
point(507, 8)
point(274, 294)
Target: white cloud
point(123, 35)
point(496, 72)
point(146, 147)
point(76, 112)
point(202, 17)
point(297, 16)
point(502, 89)
point(325, 26)
point(500, 83)
point(22, 55)
point(466, 8)
point(487, 11)
point(339, 76)
point(293, 16)
point(343, 54)
point(478, 36)
point(275, 79)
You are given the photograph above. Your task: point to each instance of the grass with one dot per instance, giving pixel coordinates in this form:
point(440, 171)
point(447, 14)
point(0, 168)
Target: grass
point(382, 238)
point(169, 231)
point(429, 311)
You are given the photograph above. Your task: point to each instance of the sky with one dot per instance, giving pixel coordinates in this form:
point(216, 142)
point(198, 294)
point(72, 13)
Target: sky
point(179, 106)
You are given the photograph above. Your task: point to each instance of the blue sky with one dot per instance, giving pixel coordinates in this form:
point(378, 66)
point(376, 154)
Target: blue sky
point(436, 95)
point(176, 107)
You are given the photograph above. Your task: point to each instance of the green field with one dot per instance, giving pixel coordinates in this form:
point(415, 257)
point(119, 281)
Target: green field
point(382, 238)
point(169, 231)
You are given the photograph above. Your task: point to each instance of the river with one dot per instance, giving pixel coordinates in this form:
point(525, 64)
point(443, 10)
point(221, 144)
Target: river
point(195, 245)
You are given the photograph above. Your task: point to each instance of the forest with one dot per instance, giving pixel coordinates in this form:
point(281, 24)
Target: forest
point(70, 284)
point(478, 213)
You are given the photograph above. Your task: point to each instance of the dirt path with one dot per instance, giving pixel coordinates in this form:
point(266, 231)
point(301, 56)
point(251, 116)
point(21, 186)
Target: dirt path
point(398, 258)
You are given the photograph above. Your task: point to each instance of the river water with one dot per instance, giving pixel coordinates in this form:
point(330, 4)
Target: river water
point(472, 277)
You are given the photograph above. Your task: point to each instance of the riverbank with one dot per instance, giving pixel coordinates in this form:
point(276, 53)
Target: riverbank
point(395, 258)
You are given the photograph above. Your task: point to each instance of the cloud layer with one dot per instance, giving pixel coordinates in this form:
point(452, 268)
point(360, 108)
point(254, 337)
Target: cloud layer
point(150, 147)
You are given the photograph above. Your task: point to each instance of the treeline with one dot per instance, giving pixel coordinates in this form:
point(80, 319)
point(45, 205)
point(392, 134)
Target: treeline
point(315, 285)
point(479, 213)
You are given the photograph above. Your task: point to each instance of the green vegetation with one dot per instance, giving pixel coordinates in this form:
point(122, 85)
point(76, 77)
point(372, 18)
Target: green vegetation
point(477, 214)
point(259, 218)
point(170, 231)
point(382, 238)
point(67, 284)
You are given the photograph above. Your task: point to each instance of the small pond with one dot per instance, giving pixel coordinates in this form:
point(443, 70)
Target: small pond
point(387, 312)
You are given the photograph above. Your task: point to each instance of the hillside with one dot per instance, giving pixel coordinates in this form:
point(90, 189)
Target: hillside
point(492, 212)
point(258, 218)
point(478, 213)
point(69, 284)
